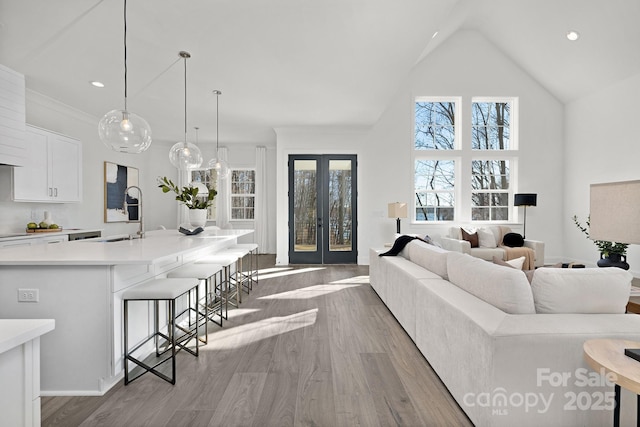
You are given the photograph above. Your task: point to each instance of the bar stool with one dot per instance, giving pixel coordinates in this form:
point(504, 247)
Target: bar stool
point(156, 290)
point(251, 273)
point(212, 300)
point(229, 262)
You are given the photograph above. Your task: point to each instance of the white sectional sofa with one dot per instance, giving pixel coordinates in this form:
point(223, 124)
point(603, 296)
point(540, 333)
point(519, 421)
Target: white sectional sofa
point(510, 352)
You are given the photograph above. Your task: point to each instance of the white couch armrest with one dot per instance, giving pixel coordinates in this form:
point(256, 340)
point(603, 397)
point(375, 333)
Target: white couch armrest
point(538, 248)
point(455, 245)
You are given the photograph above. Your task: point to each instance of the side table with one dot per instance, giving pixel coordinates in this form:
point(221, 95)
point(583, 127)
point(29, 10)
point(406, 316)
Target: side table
point(608, 354)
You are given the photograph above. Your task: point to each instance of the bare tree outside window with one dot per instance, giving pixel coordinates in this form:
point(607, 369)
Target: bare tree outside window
point(435, 125)
point(441, 162)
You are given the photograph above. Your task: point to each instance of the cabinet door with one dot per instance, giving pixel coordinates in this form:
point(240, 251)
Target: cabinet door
point(65, 159)
point(54, 169)
point(30, 182)
point(17, 242)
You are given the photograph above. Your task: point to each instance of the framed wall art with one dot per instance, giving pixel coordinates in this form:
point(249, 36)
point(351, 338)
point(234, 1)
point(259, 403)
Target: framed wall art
point(117, 178)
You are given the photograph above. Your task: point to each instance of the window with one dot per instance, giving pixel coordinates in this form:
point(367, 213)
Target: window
point(243, 189)
point(209, 178)
point(434, 188)
point(464, 180)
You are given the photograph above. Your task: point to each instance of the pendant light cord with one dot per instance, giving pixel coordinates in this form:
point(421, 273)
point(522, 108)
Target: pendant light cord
point(125, 55)
point(185, 101)
point(217, 92)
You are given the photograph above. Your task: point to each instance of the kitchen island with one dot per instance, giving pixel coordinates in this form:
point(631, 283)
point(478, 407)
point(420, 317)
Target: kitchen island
point(79, 284)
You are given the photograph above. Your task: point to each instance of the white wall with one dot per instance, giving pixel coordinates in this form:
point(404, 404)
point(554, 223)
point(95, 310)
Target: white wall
point(602, 145)
point(159, 208)
point(466, 65)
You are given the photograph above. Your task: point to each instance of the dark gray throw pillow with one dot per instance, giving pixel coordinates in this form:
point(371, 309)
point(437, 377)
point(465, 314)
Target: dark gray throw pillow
point(513, 240)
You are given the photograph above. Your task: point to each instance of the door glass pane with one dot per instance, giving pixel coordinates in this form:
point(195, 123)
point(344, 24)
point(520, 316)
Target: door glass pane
point(340, 205)
point(305, 205)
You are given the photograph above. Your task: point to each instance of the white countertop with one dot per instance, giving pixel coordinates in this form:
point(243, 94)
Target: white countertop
point(156, 245)
point(15, 332)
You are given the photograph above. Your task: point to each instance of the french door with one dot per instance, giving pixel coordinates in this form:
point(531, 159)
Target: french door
point(323, 209)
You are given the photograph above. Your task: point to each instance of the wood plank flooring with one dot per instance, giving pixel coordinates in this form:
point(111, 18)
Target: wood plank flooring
point(310, 346)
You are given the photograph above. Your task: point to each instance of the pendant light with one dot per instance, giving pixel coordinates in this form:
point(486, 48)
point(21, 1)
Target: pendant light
point(185, 155)
point(220, 166)
point(122, 130)
point(203, 191)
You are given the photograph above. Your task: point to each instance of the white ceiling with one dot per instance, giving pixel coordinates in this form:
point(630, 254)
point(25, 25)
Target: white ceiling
point(282, 63)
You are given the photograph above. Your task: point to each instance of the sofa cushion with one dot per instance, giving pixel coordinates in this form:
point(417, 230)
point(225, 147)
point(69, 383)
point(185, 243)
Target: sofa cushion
point(471, 237)
point(584, 290)
point(486, 238)
point(504, 288)
point(428, 256)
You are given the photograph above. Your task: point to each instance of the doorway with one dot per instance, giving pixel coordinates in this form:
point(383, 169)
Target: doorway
point(323, 209)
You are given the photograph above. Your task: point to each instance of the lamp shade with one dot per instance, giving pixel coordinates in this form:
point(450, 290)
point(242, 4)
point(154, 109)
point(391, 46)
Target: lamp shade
point(397, 210)
point(614, 213)
point(525, 199)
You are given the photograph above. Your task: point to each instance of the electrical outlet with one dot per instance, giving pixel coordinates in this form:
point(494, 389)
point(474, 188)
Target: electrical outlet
point(28, 295)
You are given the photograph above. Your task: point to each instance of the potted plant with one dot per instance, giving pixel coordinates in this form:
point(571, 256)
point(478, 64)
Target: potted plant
point(192, 198)
point(612, 254)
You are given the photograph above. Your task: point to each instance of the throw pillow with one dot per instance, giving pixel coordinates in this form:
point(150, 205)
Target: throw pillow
point(528, 273)
point(581, 290)
point(516, 263)
point(486, 238)
point(513, 240)
point(470, 237)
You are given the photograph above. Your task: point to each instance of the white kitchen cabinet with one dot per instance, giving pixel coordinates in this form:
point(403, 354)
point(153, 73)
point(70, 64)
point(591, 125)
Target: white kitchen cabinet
point(12, 117)
point(15, 243)
point(29, 241)
point(53, 172)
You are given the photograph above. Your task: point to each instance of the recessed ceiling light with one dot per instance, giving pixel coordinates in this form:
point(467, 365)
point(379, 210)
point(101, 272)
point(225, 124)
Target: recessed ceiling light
point(97, 84)
point(573, 35)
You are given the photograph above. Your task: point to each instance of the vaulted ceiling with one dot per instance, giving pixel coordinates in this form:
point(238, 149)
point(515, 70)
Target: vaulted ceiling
point(282, 63)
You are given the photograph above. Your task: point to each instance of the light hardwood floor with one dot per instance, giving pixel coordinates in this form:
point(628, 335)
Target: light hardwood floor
point(310, 346)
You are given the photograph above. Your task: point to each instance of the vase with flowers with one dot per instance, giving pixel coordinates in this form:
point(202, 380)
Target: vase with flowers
point(612, 254)
point(196, 201)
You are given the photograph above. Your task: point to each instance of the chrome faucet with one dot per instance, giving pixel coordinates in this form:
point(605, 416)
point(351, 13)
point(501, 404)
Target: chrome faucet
point(139, 205)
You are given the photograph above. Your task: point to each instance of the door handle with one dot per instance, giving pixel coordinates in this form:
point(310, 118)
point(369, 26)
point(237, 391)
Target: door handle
point(55, 192)
point(319, 222)
point(50, 191)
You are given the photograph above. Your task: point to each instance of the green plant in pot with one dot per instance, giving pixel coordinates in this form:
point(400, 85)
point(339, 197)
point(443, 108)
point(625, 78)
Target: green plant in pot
point(192, 199)
point(612, 254)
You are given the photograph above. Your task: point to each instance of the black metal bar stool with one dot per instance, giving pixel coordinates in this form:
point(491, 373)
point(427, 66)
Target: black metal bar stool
point(211, 304)
point(156, 290)
point(229, 263)
point(251, 271)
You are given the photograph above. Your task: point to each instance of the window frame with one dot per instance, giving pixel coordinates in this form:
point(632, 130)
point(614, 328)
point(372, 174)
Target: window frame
point(233, 195)
point(211, 210)
point(463, 155)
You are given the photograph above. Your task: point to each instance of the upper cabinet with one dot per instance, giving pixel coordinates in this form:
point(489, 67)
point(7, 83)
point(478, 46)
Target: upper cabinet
point(12, 117)
point(53, 171)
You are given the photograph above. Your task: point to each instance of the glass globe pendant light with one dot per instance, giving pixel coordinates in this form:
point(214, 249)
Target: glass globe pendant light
point(122, 130)
point(185, 155)
point(220, 166)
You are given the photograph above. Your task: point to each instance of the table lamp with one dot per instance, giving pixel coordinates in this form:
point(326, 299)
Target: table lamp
point(397, 210)
point(614, 216)
point(525, 199)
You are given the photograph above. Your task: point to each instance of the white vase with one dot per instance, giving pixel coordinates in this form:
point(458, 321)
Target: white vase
point(198, 217)
point(47, 218)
